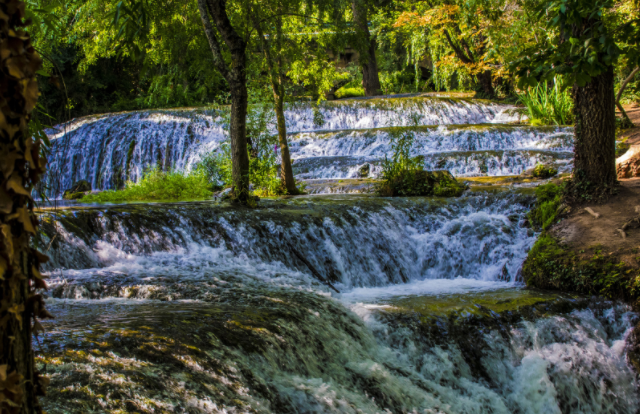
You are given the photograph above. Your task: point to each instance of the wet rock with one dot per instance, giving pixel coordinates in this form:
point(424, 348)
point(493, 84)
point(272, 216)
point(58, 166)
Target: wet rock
point(364, 171)
point(224, 194)
point(628, 165)
point(77, 190)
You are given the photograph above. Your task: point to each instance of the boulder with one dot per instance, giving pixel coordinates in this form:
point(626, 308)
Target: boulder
point(628, 165)
point(77, 190)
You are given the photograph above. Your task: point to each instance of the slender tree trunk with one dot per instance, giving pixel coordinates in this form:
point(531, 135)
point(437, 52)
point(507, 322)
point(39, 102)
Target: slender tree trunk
point(367, 60)
point(20, 169)
point(275, 64)
point(238, 133)
point(625, 117)
point(595, 124)
point(286, 171)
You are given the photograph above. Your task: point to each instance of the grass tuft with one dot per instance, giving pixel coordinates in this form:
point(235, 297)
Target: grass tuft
point(157, 185)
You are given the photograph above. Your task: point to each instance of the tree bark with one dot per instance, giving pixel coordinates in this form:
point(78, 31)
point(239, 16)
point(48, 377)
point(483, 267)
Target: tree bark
point(21, 167)
point(367, 59)
point(486, 83)
point(595, 124)
point(236, 76)
point(286, 171)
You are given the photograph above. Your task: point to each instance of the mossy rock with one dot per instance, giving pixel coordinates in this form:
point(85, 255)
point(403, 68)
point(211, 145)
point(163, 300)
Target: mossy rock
point(77, 190)
point(421, 183)
point(544, 171)
point(73, 196)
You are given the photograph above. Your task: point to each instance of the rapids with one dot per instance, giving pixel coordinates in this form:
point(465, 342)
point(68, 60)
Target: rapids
point(203, 307)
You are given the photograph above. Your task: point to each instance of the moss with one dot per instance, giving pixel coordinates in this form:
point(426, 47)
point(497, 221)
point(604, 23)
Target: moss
point(417, 182)
point(544, 171)
point(553, 265)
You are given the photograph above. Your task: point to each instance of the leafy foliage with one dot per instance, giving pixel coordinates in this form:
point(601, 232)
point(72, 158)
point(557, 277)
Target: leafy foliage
point(403, 175)
point(21, 167)
point(583, 46)
point(157, 185)
point(548, 105)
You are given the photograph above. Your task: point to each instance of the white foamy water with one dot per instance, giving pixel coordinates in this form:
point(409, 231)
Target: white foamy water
point(108, 150)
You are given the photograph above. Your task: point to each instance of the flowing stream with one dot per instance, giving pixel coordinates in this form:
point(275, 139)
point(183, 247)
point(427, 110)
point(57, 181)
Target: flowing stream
point(328, 303)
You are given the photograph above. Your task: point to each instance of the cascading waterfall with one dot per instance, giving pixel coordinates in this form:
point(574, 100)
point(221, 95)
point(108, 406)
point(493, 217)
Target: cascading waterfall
point(204, 307)
point(110, 149)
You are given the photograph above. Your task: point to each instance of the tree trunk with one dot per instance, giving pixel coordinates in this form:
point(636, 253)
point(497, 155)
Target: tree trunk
point(367, 59)
point(625, 117)
point(595, 125)
point(238, 134)
point(20, 169)
point(486, 84)
point(286, 171)
point(236, 76)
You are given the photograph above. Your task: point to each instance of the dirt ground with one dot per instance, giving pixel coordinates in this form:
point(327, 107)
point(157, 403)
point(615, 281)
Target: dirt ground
point(584, 234)
point(633, 134)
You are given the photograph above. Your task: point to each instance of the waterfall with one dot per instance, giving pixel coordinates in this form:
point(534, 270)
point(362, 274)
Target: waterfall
point(206, 307)
point(108, 150)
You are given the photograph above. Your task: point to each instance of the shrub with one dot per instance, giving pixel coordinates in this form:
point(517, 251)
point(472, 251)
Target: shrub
point(548, 105)
point(544, 171)
point(216, 167)
point(403, 175)
point(158, 185)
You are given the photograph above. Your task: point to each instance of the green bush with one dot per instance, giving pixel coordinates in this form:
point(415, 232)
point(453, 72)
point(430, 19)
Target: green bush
point(544, 171)
point(403, 175)
point(216, 167)
point(548, 105)
point(157, 185)
point(351, 92)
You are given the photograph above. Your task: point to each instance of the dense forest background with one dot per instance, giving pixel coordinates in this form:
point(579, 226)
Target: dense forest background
point(107, 55)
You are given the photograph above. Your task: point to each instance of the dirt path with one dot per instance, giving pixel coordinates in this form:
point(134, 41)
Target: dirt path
point(585, 234)
point(633, 134)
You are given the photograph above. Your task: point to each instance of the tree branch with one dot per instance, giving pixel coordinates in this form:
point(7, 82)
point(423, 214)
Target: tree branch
point(625, 82)
point(214, 44)
point(456, 49)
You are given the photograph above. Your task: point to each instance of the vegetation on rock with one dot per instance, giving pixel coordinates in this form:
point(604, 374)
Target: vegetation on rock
point(21, 165)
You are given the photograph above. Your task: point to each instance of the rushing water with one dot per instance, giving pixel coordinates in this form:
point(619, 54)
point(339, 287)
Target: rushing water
point(321, 304)
point(108, 150)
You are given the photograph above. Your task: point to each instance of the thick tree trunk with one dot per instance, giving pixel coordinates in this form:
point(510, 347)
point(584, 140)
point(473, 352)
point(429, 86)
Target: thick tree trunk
point(286, 171)
point(595, 124)
point(20, 169)
point(236, 76)
point(367, 60)
point(486, 83)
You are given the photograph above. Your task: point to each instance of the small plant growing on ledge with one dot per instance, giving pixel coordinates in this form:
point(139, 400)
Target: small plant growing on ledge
point(404, 176)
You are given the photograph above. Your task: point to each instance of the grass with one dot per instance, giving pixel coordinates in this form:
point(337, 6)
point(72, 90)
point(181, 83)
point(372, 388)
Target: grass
point(548, 105)
point(157, 185)
point(350, 92)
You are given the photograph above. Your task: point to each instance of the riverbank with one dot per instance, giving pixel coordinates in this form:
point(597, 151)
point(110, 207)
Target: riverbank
point(589, 254)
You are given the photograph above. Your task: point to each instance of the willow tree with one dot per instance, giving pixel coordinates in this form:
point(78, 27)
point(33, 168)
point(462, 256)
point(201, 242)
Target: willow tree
point(584, 52)
point(471, 39)
point(21, 166)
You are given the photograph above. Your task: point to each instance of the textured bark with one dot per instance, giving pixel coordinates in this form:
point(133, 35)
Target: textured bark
point(20, 169)
point(368, 62)
point(486, 83)
point(286, 171)
point(595, 124)
point(236, 76)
